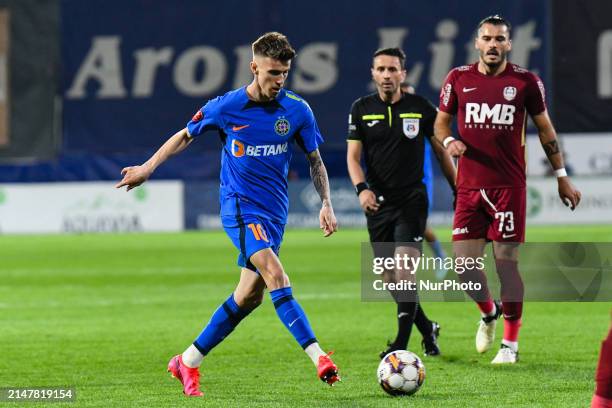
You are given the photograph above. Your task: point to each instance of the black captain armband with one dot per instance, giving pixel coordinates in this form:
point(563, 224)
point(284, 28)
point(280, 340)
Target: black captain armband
point(360, 187)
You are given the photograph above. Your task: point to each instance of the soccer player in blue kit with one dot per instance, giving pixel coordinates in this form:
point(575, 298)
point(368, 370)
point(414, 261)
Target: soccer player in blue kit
point(257, 123)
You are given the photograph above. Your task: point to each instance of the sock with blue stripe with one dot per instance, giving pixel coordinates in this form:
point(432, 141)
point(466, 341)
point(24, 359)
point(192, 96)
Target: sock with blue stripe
point(221, 324)
point(292, 316)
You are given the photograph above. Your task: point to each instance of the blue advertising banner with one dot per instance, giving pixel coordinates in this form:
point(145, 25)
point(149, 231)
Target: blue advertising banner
point(582, 77)
point(202, 204)
point(135, 71)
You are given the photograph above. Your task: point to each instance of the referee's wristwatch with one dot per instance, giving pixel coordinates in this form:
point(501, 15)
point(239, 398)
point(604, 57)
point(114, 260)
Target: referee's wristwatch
point(360, 187)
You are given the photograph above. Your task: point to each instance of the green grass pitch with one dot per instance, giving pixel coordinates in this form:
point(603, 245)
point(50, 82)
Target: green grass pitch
point(104, 313)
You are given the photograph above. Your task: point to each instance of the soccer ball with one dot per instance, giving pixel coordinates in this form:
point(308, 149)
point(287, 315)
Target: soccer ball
point(401, 372)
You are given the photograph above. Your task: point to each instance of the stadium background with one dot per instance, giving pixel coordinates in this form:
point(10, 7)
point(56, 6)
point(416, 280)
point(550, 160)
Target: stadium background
point(90, 87)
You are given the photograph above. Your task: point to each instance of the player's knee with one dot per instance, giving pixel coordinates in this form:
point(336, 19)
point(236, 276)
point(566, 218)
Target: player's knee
point(505, 251)
point(277, 279)
point(274, 275)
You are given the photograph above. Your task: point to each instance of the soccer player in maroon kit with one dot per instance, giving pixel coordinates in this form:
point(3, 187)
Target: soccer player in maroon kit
point(603, 376)
point(491, 100)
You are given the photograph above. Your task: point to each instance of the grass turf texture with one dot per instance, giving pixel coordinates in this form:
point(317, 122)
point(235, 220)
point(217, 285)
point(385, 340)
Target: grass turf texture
point(104, 313)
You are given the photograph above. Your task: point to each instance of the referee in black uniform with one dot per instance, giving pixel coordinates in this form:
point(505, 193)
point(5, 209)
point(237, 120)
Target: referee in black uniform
point(388, 128)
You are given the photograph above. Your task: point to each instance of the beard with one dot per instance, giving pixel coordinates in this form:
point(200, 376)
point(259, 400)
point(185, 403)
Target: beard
point(501, 57)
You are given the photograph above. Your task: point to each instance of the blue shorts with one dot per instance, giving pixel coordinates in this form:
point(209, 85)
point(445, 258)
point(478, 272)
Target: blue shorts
point(250, 233)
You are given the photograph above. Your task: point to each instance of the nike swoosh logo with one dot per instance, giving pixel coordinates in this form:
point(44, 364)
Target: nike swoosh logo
point(508, 236)
point(237, 128)
point(399, 316)
point(370, 124)
point(291, 324)
point(466, 90)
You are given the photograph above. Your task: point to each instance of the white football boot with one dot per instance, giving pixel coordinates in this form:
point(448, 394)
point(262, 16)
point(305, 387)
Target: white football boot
point(485, 336)
point(505, 355)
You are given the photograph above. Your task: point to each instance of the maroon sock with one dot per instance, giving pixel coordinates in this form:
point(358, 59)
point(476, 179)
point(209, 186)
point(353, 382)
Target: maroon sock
point(512, 288)
point(487, 308)
point(482, 296)
point(511, 329)
point(512, 292)
point(603, 375)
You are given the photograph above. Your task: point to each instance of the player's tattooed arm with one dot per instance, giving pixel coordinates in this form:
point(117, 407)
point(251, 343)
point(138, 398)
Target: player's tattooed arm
point(551, 148)
point(318, 173)
point(549, 140)
point(570, 195)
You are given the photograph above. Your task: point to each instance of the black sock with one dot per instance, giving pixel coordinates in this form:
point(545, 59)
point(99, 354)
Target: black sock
point(405, 317)
point(422, 322)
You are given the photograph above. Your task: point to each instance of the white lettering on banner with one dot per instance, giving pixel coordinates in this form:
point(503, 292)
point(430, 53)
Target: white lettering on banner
point(442, 52)
point(587, 154)
point(604, 65)
point(545, 207)
point(91, 207)
point(471, 52)
point(600, 162)
point(316, 70)
point(243, 74)
point(523, 42)
point(187, 66)
point(500, 114)
point(108, 223)
point(147, 62)
point(389, 37)
point(103, 64)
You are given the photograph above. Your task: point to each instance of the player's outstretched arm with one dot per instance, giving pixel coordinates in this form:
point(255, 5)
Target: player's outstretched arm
point(548, 138)
point(318, 173)
point(134, 176)
point(443, 133)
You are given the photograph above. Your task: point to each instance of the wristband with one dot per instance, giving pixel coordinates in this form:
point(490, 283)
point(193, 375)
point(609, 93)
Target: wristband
point(360, 187)
point(448, 141)
point(561, 172)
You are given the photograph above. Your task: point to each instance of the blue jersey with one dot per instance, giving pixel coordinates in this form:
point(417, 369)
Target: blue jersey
point(257, 138)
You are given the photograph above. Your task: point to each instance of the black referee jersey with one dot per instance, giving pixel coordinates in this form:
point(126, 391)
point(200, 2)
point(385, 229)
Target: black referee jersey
point(393, 140)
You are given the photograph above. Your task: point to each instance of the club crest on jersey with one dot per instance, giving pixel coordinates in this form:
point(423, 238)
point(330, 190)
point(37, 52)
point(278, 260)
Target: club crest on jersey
point(197, 117)
point(509, 93)
point(410, 127)
point(282, 126)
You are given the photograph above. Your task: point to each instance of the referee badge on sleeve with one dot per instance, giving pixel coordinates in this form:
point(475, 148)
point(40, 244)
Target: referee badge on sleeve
point(411, 127)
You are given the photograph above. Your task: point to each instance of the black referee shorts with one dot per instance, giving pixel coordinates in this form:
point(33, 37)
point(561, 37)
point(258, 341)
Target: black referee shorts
point(400, 220)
